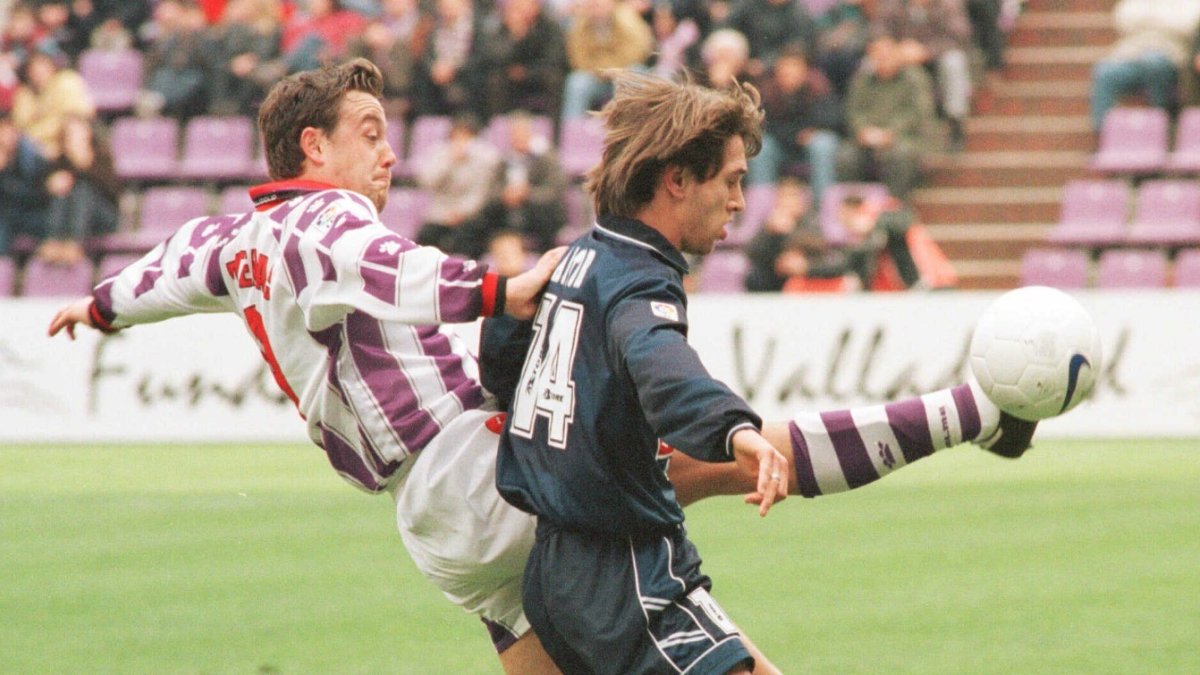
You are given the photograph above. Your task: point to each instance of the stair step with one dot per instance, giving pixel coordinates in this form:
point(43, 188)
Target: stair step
point(988, 274)
point(1046, 133)
point(1052, 55)
point(1042, 20)
point(1033, 71)
point(988, 241)
point(981, 204)
point(1056, 36)
point(1083, 6)
point(1005, 176)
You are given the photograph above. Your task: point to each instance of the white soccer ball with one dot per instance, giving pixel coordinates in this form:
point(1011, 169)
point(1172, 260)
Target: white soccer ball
point(1036, 352)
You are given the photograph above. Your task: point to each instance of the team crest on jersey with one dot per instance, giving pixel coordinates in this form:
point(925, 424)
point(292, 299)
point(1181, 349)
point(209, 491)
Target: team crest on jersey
point(324, 222)
point(664, 310)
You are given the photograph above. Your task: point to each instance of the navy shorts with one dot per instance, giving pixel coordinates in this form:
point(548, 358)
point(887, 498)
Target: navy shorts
point(626, 605)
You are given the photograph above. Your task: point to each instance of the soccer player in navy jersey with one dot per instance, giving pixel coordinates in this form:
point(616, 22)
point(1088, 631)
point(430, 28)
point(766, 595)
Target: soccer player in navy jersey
point(610, 388)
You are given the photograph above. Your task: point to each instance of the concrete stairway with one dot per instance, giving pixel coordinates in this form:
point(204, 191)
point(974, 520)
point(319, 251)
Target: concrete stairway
point(1029, 133)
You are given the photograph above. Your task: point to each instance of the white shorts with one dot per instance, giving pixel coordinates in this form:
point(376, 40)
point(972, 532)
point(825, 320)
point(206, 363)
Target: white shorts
point(460, 532)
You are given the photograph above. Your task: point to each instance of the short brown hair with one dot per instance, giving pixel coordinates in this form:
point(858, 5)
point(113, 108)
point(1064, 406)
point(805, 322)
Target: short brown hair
point(653, 123)
point(311, 98)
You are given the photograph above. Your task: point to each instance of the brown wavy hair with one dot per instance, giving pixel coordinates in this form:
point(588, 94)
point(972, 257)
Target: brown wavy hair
point(652, 123)
point(311, 98)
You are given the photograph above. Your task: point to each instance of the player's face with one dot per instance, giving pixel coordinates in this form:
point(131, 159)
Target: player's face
point(711, 204)
point(359, 157)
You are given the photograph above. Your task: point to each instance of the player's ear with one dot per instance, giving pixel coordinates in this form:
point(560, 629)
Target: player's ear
point(312, 145)
point(674, 178)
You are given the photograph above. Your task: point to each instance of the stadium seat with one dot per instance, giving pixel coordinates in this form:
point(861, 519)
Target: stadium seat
point(759, 201)
point(1167, 214)
point(1133, 141)
point(8, 276)
point(1094, 213)
point(404, 212)
point(580, 145)
point(145, 149)
point(44, 280)
point(1131, 268)
point(723, 271)
point(428, 132)
point(496, 132)
point(1054, 267)
point(218, 149)
point(831, 202)
point(115, 262)
point(1186, 156)
point(1187, 268)
point(579, 215)
point(113, 77)
point(163, 210)
point(234, 199)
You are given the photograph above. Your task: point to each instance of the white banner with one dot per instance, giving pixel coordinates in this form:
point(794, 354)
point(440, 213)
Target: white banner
point(201, 378)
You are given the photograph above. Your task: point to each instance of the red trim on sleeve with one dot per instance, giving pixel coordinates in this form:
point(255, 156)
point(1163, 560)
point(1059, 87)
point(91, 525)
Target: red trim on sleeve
point(98, 321)
point(491, 284)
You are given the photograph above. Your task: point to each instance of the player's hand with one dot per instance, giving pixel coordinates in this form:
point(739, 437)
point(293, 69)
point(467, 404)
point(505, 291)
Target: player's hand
point(525, 289)
point(71, 314)
point(757, 457)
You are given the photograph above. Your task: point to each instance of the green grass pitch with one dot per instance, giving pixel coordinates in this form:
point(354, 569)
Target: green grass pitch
point(1083, 557)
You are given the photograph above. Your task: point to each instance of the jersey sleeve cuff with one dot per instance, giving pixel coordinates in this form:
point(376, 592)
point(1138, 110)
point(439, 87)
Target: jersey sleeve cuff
point(494, 290)
point(729, 436)
point(101, 320)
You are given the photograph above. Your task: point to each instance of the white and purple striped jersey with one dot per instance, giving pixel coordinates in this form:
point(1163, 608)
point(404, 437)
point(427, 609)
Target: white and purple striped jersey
point(344, 311)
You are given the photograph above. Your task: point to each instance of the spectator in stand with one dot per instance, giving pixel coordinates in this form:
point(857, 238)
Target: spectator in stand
point(449, 75)
point(803, 116)
point(507, 254)
point(1151, 47)
point(934, 34)
point(22, 185)
point(771, 25)
point(394, 41)
point(986, 29)
point(49, 93)
point(842, 35)
point(677, 35)
point(22, 34)
point(529, 189)
point(176, 66)
point(889, 111)
point(83, 190)
point(107, 24)
point(726, 57)
point(459, 176)
point(876, 227)
point(526, 59)
point(319, 34)
point(243, 43)
point(788, 241)
point(604, 34)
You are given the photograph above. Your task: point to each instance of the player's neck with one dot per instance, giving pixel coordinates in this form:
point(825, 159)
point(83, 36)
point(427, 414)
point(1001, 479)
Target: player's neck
point(662, 215)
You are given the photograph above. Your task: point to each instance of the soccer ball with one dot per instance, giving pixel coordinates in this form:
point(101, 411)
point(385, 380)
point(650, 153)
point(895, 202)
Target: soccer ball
point(1035, 352)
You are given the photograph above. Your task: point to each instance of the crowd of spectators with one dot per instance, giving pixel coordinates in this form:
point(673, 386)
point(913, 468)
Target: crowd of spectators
point(853, 92)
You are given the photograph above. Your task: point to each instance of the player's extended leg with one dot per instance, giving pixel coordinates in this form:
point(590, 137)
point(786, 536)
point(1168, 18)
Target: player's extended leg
point(840, 450)
point(526, 656)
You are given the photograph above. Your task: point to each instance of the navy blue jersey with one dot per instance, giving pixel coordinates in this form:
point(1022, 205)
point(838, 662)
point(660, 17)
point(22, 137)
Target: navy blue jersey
point(608, 374)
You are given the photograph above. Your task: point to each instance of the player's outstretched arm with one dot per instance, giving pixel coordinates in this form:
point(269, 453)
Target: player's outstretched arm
point(524, 291)
point(760, 462)
point(75, 312)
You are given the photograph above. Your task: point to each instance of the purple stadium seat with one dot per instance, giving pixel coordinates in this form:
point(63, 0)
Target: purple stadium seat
point(723, 271)
point(163, 210)
point(1187, 268)
point(1131, 268)
point(404, 212)
point(44, 280)
point(1186, 157)
point(1168, 213)
point(8, 276)
point(428, 132)
point(580, 145)
point(1133, 141)
point(831, 202)
point(1054, 267)
point(1094, 213)
point(113, 77)
point(145, 148)
point(218, 148)
point(759, 201)
point(496, 132)
point(234, 199)
point(115, 262)
point(579, 215)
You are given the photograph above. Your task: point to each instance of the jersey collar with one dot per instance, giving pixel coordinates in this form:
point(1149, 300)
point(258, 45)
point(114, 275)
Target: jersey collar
point(271, 194)
point(633, 231)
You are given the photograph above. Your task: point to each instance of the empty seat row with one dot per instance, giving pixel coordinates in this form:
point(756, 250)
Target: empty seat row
point(1115, 268)
point(1096, 213)
point(1136, 141)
